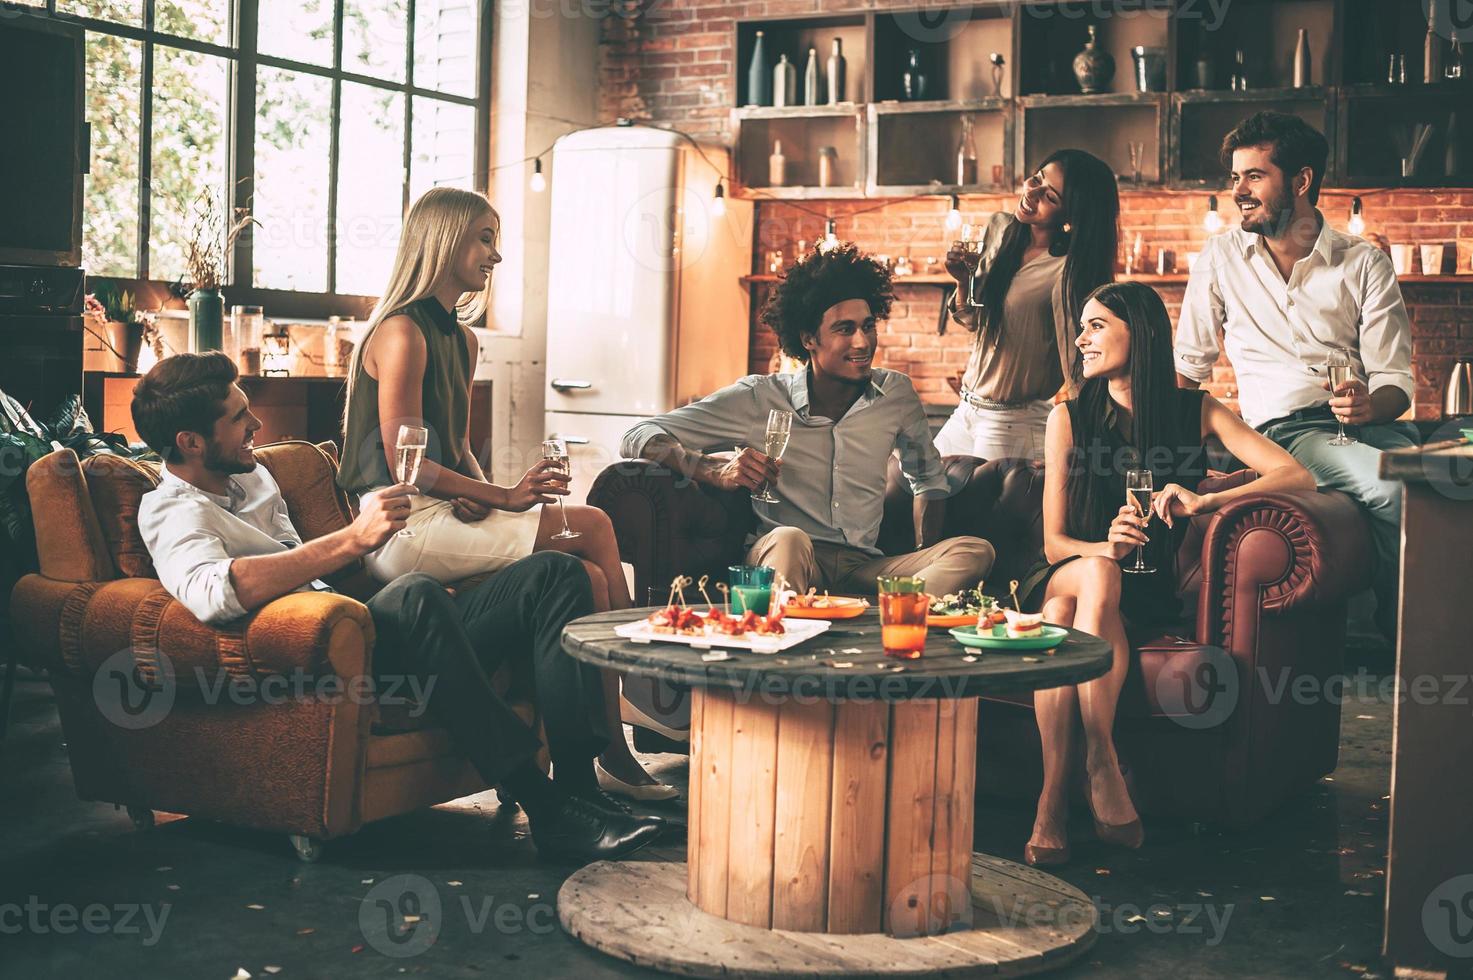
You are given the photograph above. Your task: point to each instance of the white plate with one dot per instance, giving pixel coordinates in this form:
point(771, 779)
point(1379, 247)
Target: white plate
point(797, 630)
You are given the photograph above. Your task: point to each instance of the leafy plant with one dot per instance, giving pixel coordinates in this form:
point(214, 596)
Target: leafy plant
point(23, 441)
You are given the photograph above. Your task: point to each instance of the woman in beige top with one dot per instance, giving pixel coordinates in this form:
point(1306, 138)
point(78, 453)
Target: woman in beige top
point(1036, 268)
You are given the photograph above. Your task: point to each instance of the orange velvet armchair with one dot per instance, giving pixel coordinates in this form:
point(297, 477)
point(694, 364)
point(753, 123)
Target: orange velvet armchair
point(263, 723)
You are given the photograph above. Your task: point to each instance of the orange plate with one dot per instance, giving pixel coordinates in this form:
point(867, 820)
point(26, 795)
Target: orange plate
point(840, 609)
point(968, 619)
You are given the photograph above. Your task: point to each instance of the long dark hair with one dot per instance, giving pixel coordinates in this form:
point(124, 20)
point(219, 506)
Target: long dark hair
point(1091, 206)
point(1097, 472)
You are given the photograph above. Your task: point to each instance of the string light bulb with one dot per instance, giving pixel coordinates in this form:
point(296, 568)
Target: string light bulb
point(1357, 218)
point(1213, 221)
point(830, 239)
point(539, 182)
point(954, 216)
point(718, 201)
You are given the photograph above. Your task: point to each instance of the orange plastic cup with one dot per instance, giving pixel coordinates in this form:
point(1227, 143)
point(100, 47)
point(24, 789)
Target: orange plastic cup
point(903, 608)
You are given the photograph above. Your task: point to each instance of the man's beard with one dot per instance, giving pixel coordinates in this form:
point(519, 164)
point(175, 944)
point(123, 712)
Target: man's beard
point(1272, 217)
point(217, 461)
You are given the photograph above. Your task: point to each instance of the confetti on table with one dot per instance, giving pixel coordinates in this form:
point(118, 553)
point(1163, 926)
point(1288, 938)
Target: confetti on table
point(366, 881)
point(306, 931)
point(256, 908)
point(970, 658)
point(173, 888)
point(1102, 871)
point(838, 663)
point(715, 656)
point(851, 651)
point(164, 868)
point(1267, 898)
point(1205, 894)
point(1365, 717)
point(411, 919)
point(357, 949)
point(273, 970)
point(1136, 918)
point(241, 974)
point(534, 896)
point(453, 884)
point(1030, 660)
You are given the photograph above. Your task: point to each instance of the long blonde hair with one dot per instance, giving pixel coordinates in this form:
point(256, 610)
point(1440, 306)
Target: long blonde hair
point(434, 231)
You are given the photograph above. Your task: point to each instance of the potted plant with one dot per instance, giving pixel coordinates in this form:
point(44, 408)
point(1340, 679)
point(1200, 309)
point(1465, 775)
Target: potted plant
point(210, 242)
point(112, 317)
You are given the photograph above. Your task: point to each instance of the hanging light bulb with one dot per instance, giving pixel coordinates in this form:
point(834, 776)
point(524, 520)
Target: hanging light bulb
point(1213, 221)
point(718, 201)
point(539, 182)
point(954, 216)
point(1357, 219)
point(830, 240)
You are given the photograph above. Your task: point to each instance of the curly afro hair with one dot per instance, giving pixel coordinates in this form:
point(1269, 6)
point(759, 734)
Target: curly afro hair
point(820, 280)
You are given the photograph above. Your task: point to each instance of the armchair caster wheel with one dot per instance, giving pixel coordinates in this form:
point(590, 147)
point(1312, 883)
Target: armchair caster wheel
point(307, 848)
point(142, 818)
point(505, 799)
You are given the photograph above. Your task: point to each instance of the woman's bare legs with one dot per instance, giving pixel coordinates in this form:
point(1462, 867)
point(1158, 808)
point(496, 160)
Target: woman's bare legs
point(1087, 591)
point(1098, 612)
point(600, 555)
point(1057, 710)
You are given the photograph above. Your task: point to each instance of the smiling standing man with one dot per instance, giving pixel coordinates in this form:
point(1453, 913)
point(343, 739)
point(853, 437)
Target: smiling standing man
point(848, 417)
point(1285, 290)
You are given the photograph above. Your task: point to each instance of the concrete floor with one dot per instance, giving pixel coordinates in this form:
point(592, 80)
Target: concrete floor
point(1300, 896)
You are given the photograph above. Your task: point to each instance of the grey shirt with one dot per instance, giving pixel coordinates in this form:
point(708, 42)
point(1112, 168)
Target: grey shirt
point(833, 481)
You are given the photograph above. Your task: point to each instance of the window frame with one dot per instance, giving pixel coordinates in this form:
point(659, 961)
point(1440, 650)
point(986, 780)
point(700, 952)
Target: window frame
point(244, 58)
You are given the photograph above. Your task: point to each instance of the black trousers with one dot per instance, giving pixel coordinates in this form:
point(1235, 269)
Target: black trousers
point(457, 643)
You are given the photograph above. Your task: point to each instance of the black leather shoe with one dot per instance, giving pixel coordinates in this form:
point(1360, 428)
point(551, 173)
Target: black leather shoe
point(610, 802)
point(588, 831)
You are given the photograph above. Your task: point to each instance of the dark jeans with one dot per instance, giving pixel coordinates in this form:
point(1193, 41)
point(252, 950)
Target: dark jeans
point(458, 642)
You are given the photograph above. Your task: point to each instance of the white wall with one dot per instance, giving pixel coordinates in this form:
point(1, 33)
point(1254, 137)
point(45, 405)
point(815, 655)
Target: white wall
point(545, 72)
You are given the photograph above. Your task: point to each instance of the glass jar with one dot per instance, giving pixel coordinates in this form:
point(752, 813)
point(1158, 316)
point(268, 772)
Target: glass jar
point(247, 323)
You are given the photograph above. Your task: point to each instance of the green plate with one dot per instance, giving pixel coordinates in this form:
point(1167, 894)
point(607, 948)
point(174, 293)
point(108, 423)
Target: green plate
point(1052, 636)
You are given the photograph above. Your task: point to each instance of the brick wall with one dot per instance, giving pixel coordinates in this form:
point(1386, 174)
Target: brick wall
point(673, 63)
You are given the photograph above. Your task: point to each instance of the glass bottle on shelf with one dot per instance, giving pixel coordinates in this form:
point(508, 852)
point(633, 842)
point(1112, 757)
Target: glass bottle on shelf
point(913, 79)
point(784, 82)
point(777, 166)
point(810, 78)
point(1302, 72)
point(759, 75)
point(1240, 72)
point(966, 155)
point(1453, 71)
point(836, 68)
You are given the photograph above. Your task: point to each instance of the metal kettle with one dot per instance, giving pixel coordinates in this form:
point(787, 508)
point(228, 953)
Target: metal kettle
point(1457, 399)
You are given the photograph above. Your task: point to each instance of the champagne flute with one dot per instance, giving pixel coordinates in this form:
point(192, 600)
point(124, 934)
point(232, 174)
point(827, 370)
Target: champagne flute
point(1138, 497)
point(1340, 367)
point(557, 451)
point(779, 425)
point(409, 453)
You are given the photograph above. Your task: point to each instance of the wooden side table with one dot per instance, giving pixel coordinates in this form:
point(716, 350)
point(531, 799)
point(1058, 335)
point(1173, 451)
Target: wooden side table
point(831, 802)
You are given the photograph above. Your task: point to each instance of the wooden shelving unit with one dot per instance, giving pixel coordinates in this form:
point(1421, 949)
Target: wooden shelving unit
point(898, 147)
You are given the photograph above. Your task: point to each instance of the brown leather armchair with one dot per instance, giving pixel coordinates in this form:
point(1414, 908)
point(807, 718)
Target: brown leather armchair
point(1207, 727)
point(178, 738)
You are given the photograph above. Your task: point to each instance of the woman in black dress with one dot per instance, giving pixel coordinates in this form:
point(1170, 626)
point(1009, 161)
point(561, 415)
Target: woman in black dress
point(1129, 415)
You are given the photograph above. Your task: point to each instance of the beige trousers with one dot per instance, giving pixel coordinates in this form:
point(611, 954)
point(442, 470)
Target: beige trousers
point(956, 563)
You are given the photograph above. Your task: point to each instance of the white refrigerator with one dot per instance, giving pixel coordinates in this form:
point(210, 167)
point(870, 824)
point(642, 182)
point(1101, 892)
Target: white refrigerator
point(646, 309)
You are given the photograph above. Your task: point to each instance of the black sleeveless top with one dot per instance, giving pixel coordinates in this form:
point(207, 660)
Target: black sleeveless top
point(1152, 598)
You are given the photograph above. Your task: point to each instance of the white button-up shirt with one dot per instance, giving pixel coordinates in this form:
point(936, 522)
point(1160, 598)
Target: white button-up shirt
point(1342, 294)
point(833, 479)
point(193, 536)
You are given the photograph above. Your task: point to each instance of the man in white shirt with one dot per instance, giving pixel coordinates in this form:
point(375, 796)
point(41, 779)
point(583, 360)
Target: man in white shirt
point(1286, 290)
point(223, 544)
point(848, 417)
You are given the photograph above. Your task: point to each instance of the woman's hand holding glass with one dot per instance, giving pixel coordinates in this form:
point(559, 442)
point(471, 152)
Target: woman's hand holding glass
point(542, 484)
point(1127, 532)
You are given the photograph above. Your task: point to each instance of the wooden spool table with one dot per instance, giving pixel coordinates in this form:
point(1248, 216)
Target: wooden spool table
point(831, 792)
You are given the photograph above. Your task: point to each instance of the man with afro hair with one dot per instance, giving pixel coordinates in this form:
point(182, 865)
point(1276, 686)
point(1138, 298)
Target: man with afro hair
point(848, 418)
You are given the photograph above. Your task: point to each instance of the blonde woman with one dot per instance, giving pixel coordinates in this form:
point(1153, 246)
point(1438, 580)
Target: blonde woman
point(414, 367)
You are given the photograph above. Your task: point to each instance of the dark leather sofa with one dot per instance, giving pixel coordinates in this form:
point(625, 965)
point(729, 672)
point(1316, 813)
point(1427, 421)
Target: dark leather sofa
point(1209, 727)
